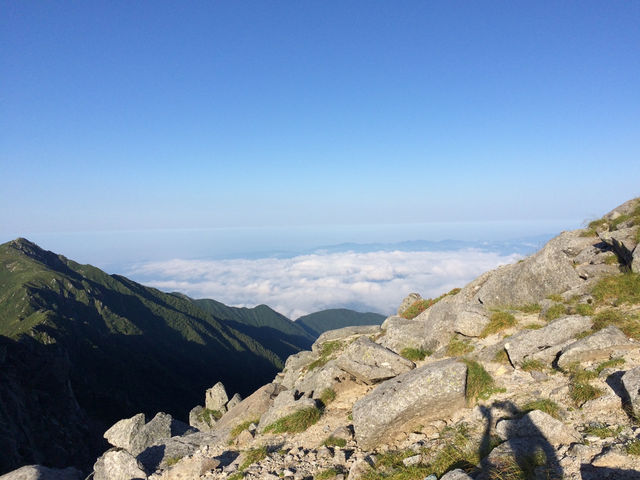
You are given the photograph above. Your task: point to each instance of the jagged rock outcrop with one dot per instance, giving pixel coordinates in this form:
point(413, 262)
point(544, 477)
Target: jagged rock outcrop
point(603, 344)
point(408, 301)
point(545, 343)
point(216, 398)
point(118, 465)
point(631, 385)
point(123, 433)
point(284, 404)
point(249, 409)
point(370, 362)
point(344, 334)
point(430, 392)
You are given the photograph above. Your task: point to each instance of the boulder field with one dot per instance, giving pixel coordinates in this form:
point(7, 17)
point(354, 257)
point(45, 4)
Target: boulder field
point(531, 370)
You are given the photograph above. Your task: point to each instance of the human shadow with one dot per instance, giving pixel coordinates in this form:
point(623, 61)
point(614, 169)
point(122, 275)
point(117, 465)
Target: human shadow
point(526, 450)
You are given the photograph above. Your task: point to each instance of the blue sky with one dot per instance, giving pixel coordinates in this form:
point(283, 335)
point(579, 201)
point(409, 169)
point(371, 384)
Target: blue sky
point(170, 115)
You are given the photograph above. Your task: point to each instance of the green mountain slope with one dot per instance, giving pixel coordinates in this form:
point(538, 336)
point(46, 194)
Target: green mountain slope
point(319, 322)
point(269, 327)
point(130, 348)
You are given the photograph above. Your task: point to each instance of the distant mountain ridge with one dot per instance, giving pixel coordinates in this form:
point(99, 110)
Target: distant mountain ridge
point(319, 322)
point(105, 346)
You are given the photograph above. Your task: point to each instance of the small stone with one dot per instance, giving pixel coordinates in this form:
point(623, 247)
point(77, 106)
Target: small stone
point(413, 460)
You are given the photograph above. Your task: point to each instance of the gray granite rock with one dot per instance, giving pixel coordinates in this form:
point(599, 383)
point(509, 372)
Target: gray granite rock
point(216, 398)
point(597, 346)
point(38, 472)
point(370, 362)
point(433, 391)
point(123, 432)
point(525, 344)
point(118, 465)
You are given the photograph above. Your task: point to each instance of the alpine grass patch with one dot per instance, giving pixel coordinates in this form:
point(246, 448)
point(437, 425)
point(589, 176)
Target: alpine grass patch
point(480, 384)
point(544, 405)
point(498, 322)
point(458, 346)
point(296, 422)
point(252, 456)
point(326, 352)
point(415, 354)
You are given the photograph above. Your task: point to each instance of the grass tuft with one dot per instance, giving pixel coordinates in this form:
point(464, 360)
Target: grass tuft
point(252, 456)
point(580, 388)
point(327, 396)
point(555, 311)
point(415, 354)
point(458, 346)
point(209, 416)
point(501, 356)
point(419, 306)
point(602, 431)
point(529, 308)
point(530, 365)
point(480, 384)
point(628, 323)
point(328, 473)
point(332, 441)
point(498, 322)
point(241, 427)
point(544, 405)
point(614, 362)
point(171, 461)
point(633, 448)
point(296, 422)
point(326, 353)
point(618, 289)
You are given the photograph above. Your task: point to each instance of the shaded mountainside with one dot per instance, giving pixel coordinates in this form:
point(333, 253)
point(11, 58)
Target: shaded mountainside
point(129, 348)
point(319, 322)
point(269, 327)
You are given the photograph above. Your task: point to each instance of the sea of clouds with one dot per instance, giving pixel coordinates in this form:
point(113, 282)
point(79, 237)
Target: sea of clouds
point(365, 281)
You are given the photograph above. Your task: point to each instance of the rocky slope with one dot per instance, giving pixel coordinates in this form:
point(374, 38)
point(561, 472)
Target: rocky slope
point(530, 371)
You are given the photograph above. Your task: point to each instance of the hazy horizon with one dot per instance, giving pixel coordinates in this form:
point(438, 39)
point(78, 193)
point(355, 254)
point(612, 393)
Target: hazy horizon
point(139, 134)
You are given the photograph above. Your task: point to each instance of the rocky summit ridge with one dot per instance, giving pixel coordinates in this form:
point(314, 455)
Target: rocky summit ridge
point(532, 370)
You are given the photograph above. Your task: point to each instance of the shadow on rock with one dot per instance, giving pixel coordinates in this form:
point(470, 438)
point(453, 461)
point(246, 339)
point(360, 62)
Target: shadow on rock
point(526, 451)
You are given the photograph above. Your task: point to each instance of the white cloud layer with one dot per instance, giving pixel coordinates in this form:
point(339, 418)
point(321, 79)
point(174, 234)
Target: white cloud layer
point(373, 281)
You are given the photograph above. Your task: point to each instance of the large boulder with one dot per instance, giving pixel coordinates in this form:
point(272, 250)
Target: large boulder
point(313, 383)
point(408, 301)
point(433, 391)
point(345, 333)
point(38, 472)
point(160, 428)
point(294, 366)
point(546, 342)
point(537, 424)
point(122, 433)
point(284, 404)
point(216, 398)
point(233, 401)
point(249, 409)
point(631, 383)
point(370, 362)
point(190, 467)
point(622, 241)
point(548, 271)
point(166, 452)
point(597, 346)
point(118, 465)
point(200, 420)
point(400, 333)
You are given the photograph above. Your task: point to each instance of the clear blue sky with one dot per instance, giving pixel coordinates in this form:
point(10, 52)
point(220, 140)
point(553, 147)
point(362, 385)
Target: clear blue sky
point(144, 115)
